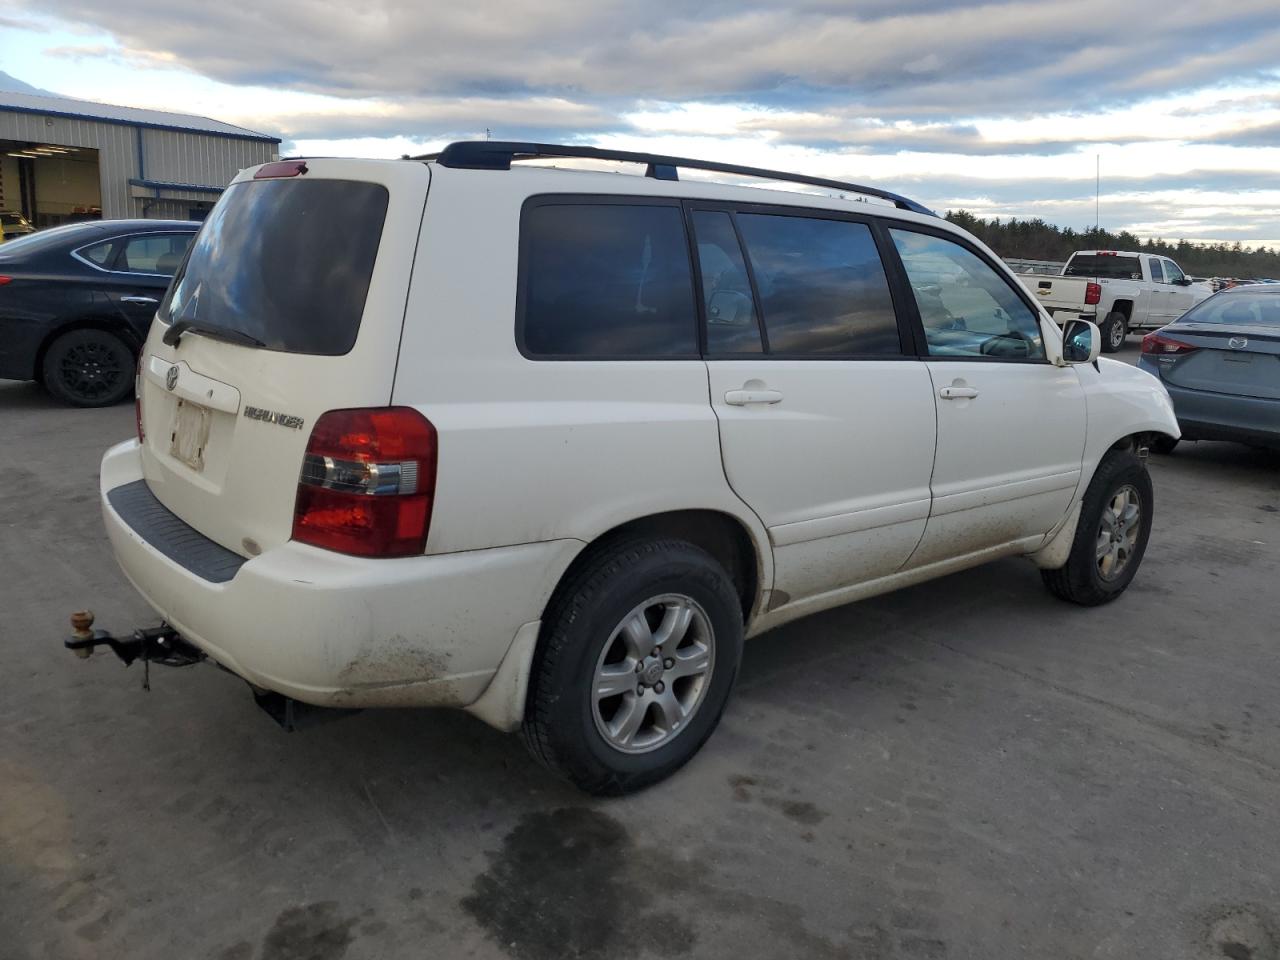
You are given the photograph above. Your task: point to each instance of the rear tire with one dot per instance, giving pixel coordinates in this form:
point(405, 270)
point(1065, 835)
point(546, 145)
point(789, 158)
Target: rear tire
point(604, 713)
point(1114, 329)
point(1111, 537)
point(88, 368)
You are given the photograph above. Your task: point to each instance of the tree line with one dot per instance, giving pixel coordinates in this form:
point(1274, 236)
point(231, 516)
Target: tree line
point(1037, 240)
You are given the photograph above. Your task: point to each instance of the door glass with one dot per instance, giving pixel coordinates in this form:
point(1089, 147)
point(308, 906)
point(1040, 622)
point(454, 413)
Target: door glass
point(1157, 275)
point(732, 326)
point(968, 310)
point(822, 287)
point(1171, 271)
point(156, 253)
point(607, 280)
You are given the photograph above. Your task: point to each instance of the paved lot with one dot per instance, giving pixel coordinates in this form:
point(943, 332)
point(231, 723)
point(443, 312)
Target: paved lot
point(963, 769)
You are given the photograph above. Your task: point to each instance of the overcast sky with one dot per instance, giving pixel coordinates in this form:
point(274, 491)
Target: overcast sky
point(998, 108)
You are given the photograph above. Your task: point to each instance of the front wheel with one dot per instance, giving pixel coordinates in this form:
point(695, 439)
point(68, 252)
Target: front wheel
point(1111, 536)
point(637, 657)
point(89, 368)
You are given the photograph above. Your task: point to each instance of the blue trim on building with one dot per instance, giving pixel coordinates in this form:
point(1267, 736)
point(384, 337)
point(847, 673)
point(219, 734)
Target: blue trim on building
point(142, 125)
point(164, 185)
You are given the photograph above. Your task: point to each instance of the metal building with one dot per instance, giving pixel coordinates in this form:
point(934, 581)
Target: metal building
point(64, 160)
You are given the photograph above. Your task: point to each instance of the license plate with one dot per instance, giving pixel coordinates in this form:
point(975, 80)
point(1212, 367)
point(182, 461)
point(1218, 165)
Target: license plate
point(190, 434)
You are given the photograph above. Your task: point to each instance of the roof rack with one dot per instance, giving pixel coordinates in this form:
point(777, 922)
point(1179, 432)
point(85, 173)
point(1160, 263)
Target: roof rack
point(499, 154)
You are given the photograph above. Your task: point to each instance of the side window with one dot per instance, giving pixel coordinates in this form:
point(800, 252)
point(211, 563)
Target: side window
point(968, 310)
point(606, 280)
point(99, 253)
point(732, 324)
point(154, 253)
point(823, 290)
point(1157, 275)
point(1171, 272)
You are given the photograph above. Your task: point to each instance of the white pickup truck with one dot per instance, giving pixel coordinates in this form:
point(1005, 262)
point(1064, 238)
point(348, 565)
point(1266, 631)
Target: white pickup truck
point(1119, 291)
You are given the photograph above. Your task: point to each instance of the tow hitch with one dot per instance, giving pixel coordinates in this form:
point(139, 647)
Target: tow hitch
point(160, 645)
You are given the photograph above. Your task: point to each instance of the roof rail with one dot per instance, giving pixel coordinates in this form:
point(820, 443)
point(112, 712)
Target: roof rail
point(499, 154)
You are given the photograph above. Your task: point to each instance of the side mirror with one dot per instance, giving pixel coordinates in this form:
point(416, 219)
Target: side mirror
point(1081, 341)
point(1183, 281)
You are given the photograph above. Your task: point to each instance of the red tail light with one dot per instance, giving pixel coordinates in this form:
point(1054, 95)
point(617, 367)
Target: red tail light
point(1165, 346)
point(368, 482)
point(5, 281)
point(1092, 292)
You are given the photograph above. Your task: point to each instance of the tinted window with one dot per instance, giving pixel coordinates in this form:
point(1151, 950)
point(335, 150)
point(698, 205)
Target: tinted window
point(1157, 275)
point(607, 280)
point(155, 253)
point(1237, 309)
point(286, 261)
point(732, 326)
point(1110, 266)
point(822, 286)
point(968, 310)
point(99, 253)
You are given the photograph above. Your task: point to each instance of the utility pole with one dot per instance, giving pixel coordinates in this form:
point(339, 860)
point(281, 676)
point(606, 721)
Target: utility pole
point(1097, 192)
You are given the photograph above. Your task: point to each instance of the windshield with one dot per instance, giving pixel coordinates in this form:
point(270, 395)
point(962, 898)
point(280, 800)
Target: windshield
point(1103, 265)
point(1237, 309)
point(13, 220)
point(285, 262)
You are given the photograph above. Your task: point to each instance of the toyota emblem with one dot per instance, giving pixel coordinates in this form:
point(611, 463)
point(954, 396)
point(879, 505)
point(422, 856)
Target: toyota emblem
point(1238, 343)
point(171, 378)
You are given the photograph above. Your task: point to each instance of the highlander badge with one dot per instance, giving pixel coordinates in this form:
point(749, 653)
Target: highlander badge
point(270, 416)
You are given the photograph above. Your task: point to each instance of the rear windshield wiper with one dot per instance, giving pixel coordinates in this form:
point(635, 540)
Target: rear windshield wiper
point(175, 332)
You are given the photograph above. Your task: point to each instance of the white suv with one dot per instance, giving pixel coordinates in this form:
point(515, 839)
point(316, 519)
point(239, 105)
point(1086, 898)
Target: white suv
point(546, 444)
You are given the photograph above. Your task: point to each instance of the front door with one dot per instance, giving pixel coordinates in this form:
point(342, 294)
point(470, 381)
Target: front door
point(1011, 426)
point(826, 424)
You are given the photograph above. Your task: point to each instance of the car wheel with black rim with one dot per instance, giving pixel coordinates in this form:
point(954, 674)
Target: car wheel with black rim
point(88, 368)
point(1114, 329)
point(1111, 535)
point(638, 653)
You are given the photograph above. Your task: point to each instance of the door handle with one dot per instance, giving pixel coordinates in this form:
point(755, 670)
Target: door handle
point(139, 299)
point(740, 398)
point(957, 392)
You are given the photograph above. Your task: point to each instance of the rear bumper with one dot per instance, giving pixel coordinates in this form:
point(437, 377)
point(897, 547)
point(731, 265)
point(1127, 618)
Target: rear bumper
point(342, 631)
point(1220, 416)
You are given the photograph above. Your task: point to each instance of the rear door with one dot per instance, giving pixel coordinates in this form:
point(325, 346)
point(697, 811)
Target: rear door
point(1011, 426)
point(295, 292)
point(826, 419)
point(134, 270)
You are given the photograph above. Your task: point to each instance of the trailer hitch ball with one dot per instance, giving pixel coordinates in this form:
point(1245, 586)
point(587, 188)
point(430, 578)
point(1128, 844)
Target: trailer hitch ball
point(82, 629)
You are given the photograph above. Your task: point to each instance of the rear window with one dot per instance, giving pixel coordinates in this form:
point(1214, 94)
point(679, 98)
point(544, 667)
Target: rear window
point(13, 220)
point(1242, 309)
point(1110, 267)
point(287, 262)
point(606, 280)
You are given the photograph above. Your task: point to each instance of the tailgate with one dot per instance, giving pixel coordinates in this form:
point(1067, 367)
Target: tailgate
point(1061, 293)
point(314, 269)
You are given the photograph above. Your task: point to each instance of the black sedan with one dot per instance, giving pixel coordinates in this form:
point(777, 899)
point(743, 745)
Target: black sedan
point(76, 302)
point(1220, 362)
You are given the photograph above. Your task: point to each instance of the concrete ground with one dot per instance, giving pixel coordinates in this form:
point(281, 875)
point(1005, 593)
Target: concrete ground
point(968, 768)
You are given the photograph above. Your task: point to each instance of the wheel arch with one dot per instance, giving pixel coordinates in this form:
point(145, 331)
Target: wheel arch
point(725, 537)
point(1122, 306)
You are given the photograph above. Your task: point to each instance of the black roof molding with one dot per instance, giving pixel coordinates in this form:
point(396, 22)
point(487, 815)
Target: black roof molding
point(499, 155)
